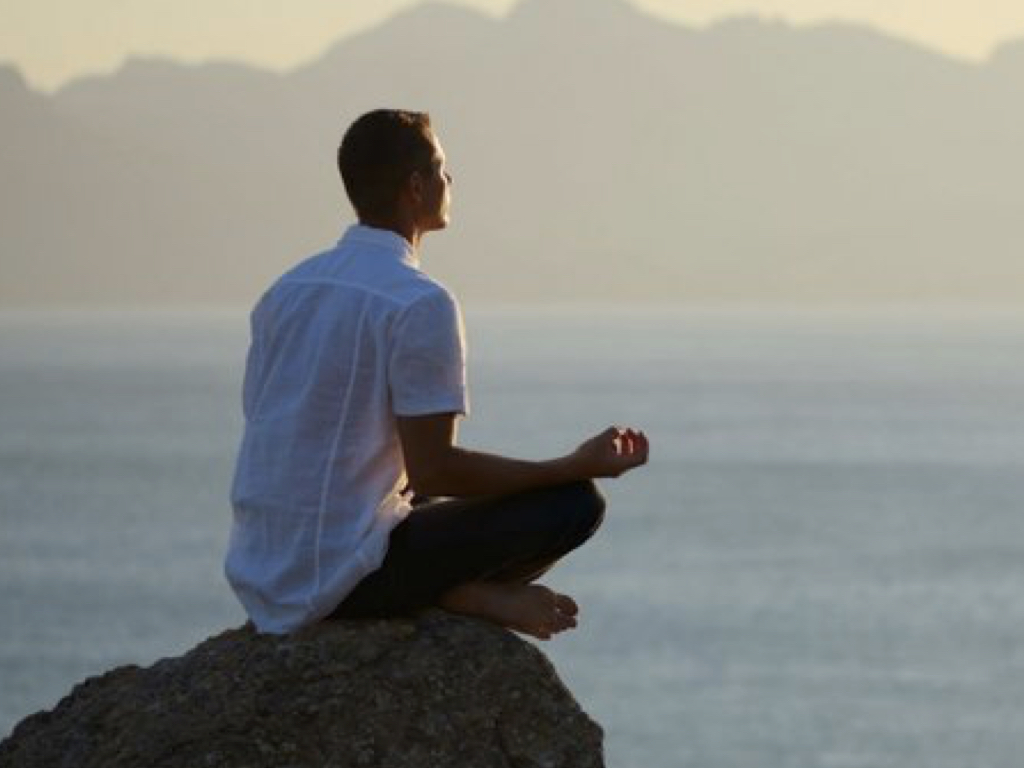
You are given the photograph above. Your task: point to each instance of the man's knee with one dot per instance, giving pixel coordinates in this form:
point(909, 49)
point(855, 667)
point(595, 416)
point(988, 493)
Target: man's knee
point(588, 505)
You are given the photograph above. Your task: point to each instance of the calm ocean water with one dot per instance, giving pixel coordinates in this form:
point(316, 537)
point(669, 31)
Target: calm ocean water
point(823, 564)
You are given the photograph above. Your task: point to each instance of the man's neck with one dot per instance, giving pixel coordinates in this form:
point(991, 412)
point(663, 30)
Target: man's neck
point(401, 227)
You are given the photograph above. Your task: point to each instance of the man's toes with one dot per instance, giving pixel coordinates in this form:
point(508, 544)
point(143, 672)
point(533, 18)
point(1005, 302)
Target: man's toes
point(562, 622)
point(566, 605)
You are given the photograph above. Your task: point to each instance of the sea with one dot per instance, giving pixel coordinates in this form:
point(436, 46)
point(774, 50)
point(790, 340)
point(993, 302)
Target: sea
point(821, 566)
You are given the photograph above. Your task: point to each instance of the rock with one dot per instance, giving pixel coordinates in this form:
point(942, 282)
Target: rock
point(430, 692)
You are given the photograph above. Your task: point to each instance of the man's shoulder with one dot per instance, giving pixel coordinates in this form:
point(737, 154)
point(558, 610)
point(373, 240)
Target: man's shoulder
point(401, 283)
point(420, 286)
point(308, 270)
point(394, 286)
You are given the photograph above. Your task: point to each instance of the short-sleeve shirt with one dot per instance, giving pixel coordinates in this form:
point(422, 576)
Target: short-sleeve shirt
point(341, 345)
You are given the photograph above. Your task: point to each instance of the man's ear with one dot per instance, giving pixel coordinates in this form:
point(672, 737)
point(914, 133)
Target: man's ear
point(415, 186)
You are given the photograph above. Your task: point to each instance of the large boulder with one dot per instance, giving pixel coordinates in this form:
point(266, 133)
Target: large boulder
point(429, 692)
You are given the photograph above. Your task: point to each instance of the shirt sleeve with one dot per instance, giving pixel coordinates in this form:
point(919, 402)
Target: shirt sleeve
point(427, 365)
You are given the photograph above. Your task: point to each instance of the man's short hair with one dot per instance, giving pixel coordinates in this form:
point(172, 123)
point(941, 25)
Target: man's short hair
point(378, 153)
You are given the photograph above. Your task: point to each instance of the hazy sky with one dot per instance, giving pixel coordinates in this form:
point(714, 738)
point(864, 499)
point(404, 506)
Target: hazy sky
point(53, 41)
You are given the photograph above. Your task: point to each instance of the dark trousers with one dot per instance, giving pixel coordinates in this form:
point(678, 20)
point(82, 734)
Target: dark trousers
point(498, 538)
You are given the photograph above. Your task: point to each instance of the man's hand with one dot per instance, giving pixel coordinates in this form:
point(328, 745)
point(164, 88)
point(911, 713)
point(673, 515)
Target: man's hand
point(611, 453)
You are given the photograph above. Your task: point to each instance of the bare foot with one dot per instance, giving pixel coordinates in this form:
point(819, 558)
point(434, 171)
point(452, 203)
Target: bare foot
point(529, 608)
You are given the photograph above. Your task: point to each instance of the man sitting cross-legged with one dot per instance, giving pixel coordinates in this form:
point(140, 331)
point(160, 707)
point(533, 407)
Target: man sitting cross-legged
point(354, 382)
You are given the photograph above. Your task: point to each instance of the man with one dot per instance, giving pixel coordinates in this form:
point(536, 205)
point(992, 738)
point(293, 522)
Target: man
point(353, 386)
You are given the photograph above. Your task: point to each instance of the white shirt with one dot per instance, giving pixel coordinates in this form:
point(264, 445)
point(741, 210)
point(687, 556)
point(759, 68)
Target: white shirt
point(341, 344)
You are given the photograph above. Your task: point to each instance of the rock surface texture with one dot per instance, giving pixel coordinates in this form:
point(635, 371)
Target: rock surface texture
point(430, 692)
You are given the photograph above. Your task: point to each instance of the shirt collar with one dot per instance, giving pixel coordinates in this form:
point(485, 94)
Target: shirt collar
point(388, 241)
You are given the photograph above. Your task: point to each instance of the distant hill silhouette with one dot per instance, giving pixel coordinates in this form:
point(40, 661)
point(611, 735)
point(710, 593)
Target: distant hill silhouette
point(598, 154)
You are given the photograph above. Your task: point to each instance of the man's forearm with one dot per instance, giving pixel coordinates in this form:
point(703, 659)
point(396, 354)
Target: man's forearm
point(437, 466)
point(462, 472)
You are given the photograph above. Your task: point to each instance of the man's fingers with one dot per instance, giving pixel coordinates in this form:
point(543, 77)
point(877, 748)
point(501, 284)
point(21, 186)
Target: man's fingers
point(614, 436)
point(634, 441)
point(626, 442)
point(624, 447)
point(635, 448)
point(643, 447)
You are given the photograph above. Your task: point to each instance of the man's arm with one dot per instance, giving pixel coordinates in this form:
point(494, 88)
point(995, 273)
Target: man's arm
point(438, 467)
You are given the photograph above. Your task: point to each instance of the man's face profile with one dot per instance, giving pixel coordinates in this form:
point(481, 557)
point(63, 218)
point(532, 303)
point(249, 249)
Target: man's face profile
point(433, 188)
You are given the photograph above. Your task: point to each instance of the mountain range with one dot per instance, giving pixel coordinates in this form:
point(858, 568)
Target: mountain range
point(599, 155)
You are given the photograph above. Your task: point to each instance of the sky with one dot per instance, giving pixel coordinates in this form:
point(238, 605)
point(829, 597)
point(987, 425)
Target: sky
point(54, 41)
